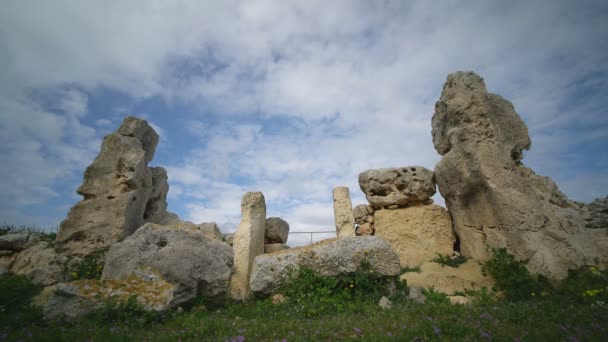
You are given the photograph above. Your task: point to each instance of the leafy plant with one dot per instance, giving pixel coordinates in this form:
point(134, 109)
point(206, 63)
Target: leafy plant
point(584, 285)
point(89, 267)
point(311, 294)
point(511, 276)
point(128, 311)
point(16, 293)
point(411, 269)
point(435, 296)
point(445, 260)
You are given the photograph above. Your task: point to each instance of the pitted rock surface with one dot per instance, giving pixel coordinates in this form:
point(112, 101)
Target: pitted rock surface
point(495, 201)
point(397, 186)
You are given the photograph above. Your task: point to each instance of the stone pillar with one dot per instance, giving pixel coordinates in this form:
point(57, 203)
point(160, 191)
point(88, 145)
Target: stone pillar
point(343, 212)
point(248, 243)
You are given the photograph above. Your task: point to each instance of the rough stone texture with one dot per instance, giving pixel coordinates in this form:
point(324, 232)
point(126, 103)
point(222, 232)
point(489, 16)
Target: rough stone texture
point(494, 200)
point(416, 294)
point(333, 257)
point(365, 229)
point(459, 300)
point(230, 239)
point(76, 299)
point(40, 263)
point(275, 247)
point(187, 259)
point(449, 280)
point(248, 243)
point(343, 212)
point(596, 213)
point(416, 233)
point(17, 241)
point(397, 186)
point(363, 213)
point(120, 192)
point(277, 230)
point(385, 303)
point(210, 230)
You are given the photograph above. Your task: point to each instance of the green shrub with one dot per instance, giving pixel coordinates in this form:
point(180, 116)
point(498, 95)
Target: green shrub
point(128, 311)
point(445, 260)
point(585, 285)
point(511, 276)
point(16, 293)
point(89, 267)
point(310, 294)
point(435, 296)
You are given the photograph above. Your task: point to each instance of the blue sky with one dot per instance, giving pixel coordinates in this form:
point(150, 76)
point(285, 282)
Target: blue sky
point(290, 98)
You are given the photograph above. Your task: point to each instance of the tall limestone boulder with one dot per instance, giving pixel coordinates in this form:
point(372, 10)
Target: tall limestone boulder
point(494, 200)
point(120, 192)
point(248, 243)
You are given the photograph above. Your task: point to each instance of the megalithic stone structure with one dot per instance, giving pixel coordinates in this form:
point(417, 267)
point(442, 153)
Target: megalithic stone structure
point(120, 192)
point(248, 243)
point(343, 212)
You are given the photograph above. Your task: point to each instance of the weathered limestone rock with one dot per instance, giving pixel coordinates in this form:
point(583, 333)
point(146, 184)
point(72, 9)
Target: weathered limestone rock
point(416, 294)
point(596, 213)
point(210, 230)
point(385, 303)
point(275, 247)
point(248, 243)
point(397, 186)
point(494, 200)
point(416, 233)
point(449, 280)
point(120, 192)
point(76, 299)
point(365, 229)
point(186, 258)
point(40, 263)
point(343, 212)
point(363, 213)
point(277, 230)
point(333, 257)
point(17, 241)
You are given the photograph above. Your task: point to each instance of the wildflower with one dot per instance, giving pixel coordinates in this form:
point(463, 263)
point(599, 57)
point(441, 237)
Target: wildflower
point(357, 331)
point(485, 334)
point(351, 286)
point(592, 292)
point(389, 334)
point(533, 294)
point(544, 294)
point(436, 330)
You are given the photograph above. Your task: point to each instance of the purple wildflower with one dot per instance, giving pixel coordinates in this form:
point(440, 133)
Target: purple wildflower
point(486, 316)
point(389, 334)
point(357, 331)
point(485, 334)
point(436, 330)
point(563, 327)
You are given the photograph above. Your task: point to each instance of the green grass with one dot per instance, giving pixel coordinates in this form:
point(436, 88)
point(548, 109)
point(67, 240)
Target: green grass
point(318, 308)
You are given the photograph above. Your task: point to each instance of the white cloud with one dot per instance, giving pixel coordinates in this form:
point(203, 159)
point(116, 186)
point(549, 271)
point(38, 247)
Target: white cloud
point(307, 93)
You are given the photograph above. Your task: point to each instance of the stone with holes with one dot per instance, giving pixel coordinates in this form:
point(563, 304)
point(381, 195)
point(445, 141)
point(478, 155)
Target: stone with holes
point(397, 187)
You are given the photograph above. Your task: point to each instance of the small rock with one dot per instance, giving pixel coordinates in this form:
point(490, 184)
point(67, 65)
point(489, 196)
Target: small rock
point(277, 230)
point(416, 294)
point(460, 300)
point(179, 310)
point(278, 298)
point(385, 303)
point(365, 229)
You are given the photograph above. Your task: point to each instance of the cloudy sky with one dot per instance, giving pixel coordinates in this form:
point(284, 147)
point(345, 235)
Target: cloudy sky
point(290, 98)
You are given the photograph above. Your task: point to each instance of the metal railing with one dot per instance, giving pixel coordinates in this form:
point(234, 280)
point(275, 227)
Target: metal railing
point(290, 233)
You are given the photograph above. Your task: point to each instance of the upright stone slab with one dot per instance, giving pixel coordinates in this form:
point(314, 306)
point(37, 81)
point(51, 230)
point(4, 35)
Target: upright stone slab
point(343, 212)
point(248, 243)
point(495, 201)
